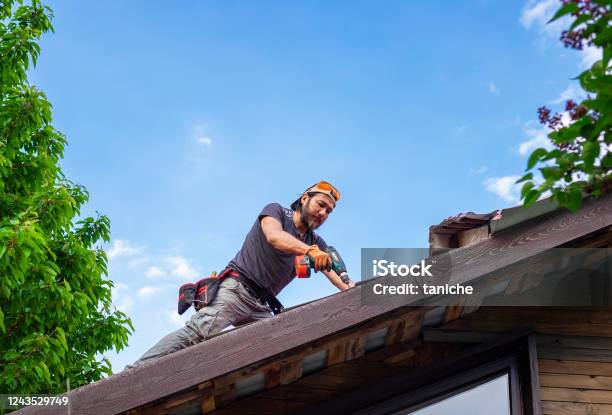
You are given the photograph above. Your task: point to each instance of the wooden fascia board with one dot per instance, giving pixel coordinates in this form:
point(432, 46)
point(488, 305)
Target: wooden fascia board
point(298, 326)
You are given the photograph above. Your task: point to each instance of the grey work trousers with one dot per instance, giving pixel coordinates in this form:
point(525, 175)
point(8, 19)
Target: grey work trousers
point(233, 305)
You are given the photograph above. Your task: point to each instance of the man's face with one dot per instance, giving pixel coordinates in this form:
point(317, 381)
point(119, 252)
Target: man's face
point(316, 209)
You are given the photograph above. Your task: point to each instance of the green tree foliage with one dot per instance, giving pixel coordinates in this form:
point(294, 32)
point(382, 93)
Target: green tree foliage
point(55, 299)
point(579, 163)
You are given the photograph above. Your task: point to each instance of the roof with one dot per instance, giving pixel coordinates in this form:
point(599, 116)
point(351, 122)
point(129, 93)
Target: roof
point(467, 228)
point(302, 328)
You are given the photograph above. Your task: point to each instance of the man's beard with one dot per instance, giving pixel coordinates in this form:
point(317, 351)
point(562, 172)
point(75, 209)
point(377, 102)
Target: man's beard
point(306, 218)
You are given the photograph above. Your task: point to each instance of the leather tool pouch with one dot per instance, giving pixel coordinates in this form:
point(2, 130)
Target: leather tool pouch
point(203, 292)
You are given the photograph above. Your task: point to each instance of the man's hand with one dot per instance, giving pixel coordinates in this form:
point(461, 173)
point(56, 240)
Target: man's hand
point(322, 260)
point(337, 281)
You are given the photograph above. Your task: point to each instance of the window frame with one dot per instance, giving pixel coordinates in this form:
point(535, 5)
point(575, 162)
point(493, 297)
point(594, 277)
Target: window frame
point(447, 388)
point(516, 357)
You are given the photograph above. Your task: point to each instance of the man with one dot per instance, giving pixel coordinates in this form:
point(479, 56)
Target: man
point(262, 268)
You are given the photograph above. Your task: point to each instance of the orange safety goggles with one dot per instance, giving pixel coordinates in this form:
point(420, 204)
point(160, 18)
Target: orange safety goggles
point(326, 188)
point(321, 187)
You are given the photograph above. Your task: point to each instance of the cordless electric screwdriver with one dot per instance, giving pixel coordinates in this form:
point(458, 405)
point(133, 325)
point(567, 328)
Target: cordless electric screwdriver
point(303, 265)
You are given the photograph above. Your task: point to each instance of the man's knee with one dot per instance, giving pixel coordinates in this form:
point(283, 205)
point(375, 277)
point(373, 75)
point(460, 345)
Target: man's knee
point(170, 343)
point(253, 317)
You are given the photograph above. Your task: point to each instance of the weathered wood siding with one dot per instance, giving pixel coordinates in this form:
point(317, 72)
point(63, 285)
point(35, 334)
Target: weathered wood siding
point(574, 348)
point(575, 375)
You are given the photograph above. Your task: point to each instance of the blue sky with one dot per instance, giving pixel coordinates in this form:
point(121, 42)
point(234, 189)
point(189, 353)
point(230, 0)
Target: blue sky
point(185, 119)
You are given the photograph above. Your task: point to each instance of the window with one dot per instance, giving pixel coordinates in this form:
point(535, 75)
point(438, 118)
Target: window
point(491, 397)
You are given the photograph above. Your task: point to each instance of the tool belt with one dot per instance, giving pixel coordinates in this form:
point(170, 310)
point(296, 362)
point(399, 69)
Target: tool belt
point(203, 292)
point(263, 295)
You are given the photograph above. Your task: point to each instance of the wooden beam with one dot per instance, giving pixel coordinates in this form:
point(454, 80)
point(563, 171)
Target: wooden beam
point(579, 342)
point(389, 352)
point(557, 380)
point(575, 408)
point(570, 315)
point(516, 285)
point(471, 236)
point(182, 399)
point(568, 321)
point(207, 403)
point(577, 395)
point(224, 394)
point(336, 353)
point(412, 326)
point(458, 336)
point(472, 303)
point(528, 365)
point(574, 367)
point(355, 347)
point(396, 330)
point(400, 357)
point(587, 355)
point(454, 311)
point(272, 377)
point(290, 372)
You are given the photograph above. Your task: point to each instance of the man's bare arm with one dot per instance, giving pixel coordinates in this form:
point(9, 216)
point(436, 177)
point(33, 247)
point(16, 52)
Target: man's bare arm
point(337, 281)
point(281, 240)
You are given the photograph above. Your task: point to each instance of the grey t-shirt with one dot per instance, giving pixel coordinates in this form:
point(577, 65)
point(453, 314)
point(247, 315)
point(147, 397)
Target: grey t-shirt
point(260, 262)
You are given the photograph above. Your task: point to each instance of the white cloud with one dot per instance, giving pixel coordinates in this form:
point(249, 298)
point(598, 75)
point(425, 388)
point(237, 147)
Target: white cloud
point(572, 92)
point(538, 13)
point(140, 260)
point(126, 304)
point(122, 247)
point(590, 55)
point(461, 129)
point(121, 301)
point(158, 266)
point(207, 141)
point(536, 137)
point(148, 291)
point(493, 89)
point(180, 266)
point(504, 187)
point(173, 266)
point(566, 118)
point(479, 170)
point(117, 288)
point(175, 318)
point(510, 123)
point(154, 272)
point(200, 136)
